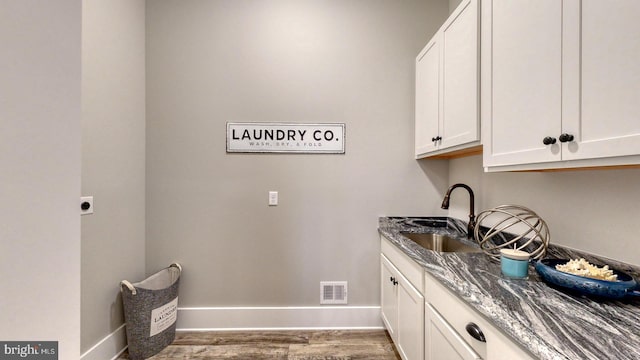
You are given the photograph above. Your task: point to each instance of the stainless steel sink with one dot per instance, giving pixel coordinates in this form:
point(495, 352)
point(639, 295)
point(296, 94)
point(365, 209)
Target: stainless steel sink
point(440, 243)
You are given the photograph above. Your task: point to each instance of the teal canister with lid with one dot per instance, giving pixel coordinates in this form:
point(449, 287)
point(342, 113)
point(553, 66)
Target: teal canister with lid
point(514, 263)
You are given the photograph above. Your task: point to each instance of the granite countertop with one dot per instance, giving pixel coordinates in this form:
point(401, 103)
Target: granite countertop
point(549, 323)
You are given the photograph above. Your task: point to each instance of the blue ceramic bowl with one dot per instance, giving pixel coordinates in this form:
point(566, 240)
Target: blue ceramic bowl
point(625, 286)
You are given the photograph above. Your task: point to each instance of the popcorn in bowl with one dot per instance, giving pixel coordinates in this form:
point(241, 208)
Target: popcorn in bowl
point(582, 267)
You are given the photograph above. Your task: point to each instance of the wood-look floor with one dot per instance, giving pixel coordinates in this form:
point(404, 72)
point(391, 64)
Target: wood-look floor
point(294, 345)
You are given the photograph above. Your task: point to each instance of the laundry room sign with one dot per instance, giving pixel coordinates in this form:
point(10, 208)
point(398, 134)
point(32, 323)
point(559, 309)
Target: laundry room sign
point(285, 138)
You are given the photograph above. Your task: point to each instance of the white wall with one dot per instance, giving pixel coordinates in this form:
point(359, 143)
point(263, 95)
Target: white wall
point(113, 159)
point(40, 172)
point(209, 62)
point(592, 210)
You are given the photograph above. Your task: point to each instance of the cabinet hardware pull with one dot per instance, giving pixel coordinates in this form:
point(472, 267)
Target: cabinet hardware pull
point(475, 332)
point(549, 140)
point(392, 279)
point(395, 282)
point(565, 137)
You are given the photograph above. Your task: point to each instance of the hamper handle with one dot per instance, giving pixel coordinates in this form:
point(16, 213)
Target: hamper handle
point(128, 285)
point(176, 265)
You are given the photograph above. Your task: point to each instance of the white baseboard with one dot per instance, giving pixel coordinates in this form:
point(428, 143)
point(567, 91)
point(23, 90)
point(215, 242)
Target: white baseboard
point(251, 318)
point(279, 318)
point(108, 348)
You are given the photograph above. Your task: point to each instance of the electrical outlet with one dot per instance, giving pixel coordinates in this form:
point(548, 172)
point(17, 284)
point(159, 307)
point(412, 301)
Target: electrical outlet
point(86, 205)
point(273, 198)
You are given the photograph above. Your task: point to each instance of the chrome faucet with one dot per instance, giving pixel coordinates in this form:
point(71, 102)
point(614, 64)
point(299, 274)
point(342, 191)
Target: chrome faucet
point(472, 217)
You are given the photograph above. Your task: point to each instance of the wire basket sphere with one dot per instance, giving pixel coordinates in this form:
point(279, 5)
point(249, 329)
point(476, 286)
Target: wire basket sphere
point(527, 227)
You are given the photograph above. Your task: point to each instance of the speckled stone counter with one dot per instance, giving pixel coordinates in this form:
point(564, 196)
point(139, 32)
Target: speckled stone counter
point(549, 323)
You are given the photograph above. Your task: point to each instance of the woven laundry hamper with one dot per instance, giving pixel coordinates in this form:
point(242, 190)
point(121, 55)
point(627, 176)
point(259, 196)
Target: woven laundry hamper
point(150, 311)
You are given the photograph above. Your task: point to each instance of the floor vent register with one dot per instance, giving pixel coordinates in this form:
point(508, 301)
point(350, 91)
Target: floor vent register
point(333, 292)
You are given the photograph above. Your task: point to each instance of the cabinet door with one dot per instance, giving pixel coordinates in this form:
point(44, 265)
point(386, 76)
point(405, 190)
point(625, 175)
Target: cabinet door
point(446, 336)
point(442, 342)
point(521, 80)
point(388, 297)
point(459, 121)
point(410, 321)
point(427, 97)
point(602, 45)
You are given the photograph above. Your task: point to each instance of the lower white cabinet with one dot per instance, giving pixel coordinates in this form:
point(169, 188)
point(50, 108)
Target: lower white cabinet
point(450, 325)
point(442, 341)
point(402, 302)
point(410, 321)
point(389, 297)
point(427, 321)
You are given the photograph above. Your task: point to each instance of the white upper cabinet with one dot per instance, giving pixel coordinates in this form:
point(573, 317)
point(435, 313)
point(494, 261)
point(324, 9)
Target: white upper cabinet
point(604, 113)
point(447, 69)
point(523, 71)
point(427, 98)
point(560, 83)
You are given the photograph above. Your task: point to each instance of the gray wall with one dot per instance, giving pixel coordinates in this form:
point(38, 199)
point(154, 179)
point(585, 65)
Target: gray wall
point(113, 159)
point(209, 62)
point(453, 4)
point(40, 172)
point(593, 210)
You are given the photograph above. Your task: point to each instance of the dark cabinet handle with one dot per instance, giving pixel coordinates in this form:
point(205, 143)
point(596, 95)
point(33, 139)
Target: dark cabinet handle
point(392, 279)
point(475, 332)
point(437, 138)
point(549, 140)
point(395, 282)
point(565, 138)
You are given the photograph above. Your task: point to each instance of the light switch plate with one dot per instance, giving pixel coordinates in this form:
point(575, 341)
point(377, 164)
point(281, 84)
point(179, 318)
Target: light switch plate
point(273, 198)
point(86, 205)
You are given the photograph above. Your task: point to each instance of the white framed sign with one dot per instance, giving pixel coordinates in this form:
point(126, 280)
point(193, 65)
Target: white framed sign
point(285, 138)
